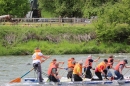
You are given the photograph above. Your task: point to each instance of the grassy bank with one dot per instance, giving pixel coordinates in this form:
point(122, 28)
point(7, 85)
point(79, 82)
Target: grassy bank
point(54, 39)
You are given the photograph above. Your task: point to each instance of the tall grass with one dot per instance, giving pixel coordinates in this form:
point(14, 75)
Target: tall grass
point(18, 40)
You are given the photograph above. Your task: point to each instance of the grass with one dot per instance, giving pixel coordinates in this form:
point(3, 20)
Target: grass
point(17, 40)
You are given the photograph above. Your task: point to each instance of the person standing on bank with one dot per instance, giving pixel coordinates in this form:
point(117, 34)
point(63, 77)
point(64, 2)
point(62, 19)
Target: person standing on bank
point(88, 66)
point(38, 58)
point(77, 72)
point(118, 69)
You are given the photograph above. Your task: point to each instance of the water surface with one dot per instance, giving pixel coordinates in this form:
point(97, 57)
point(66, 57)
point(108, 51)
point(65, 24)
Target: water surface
point(12, 67)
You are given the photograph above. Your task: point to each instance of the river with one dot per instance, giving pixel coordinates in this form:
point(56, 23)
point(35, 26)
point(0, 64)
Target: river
point(12, 67)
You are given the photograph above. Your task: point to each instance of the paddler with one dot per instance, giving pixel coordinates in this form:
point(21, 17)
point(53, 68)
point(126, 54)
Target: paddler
point(100, 69)
point(38, 58)
point(118, 69)
point(53, 73)
point(71, 64)
point(54, 61)
point(77, 71)
point(111, 61)
point(88, 66)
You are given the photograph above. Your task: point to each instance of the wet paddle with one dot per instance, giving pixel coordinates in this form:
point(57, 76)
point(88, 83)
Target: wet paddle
point(17, 80)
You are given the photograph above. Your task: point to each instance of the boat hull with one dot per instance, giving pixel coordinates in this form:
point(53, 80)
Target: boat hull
point(33, 82)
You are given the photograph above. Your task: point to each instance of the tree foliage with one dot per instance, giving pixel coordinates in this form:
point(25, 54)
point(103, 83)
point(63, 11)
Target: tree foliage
point(113, 24)
point(17, 8)
point(63, 8)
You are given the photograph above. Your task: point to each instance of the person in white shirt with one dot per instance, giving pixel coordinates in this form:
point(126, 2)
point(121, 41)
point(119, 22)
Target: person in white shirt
point(38, 58)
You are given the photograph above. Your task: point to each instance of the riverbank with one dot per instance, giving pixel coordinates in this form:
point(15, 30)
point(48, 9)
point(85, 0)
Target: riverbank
point(55, 39)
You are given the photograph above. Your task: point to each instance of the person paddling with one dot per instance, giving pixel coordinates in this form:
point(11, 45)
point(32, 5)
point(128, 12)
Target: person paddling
point(111, 61)
point(53, 73)
point(100, 69)
point(71, 64)
point(118, 69)
point(88, 66)
point(54, 61)
point(38, 58)
point(77, 72)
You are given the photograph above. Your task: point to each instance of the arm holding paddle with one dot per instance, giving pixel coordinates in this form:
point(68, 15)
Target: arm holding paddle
point(96, 59)
point(37, 60)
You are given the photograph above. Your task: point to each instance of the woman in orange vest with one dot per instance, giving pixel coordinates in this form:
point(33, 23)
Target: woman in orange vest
point(77, 72)
point(100, 69)
point(71, 64)
point(53, 74)
point(118, 69)
point(37, 60)
point(88, 66)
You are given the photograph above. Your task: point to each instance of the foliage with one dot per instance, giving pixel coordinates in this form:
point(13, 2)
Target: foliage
point(63, 8)
point(113, 25)
point(18, 40)
point(17, 8)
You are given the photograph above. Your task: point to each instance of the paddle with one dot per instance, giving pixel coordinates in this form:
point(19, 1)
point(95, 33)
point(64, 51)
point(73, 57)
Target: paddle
point(17, 80)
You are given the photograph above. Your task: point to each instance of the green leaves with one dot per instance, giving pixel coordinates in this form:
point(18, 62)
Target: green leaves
point(17, 8)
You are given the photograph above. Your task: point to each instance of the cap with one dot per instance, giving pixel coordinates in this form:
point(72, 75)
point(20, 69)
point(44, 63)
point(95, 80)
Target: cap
point(90, 56)
point(80, 62)
point(125, 60)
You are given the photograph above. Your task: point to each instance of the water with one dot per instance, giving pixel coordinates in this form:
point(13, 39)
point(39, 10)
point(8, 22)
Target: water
point(12, 67)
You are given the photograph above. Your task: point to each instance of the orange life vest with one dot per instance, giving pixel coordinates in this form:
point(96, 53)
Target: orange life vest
point(51, 64)
point(70, 64)
point(49, 72)
point(118, 65)
point(98, 68)
point(88, 63)
point(37, 57)
point(76, 71)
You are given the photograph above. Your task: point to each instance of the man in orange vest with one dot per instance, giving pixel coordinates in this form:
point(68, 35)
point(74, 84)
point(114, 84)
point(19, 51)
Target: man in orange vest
point(38, 58)
point(100, 69)
point(71, 64)
point(118, 69)
point(77, 72)
point(88, 66)
point(53, 74)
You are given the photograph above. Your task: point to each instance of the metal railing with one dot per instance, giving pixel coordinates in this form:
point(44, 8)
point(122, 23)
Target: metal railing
point(51, 20)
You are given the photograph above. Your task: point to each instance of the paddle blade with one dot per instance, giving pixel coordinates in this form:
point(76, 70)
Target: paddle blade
point(17, 80)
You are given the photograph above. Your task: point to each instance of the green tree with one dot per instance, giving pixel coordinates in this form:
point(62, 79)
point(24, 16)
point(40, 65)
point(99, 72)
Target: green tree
point(93, 7)
point(68, 8)
point(17, 8)
point(113, 24)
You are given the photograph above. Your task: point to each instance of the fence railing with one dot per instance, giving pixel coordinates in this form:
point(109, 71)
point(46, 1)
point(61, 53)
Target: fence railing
point(51, 20)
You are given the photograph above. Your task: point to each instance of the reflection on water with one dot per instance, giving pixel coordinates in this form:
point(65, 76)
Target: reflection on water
point(12, 67)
